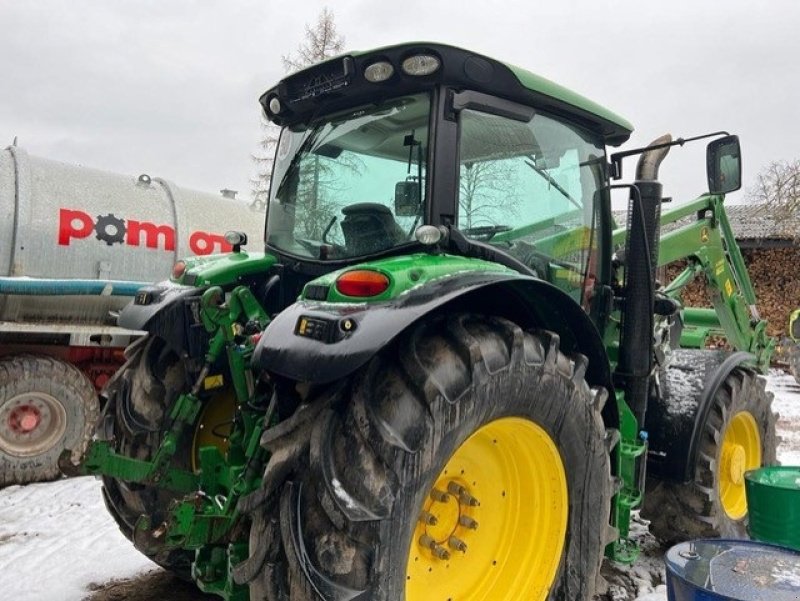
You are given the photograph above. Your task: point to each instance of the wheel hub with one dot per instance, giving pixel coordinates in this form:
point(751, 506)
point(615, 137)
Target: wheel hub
point(24, 419)
point(733, 462)
point(740, 451)
point(494, 523)
point(31, 423)
point(215, 425)
point(447, 519)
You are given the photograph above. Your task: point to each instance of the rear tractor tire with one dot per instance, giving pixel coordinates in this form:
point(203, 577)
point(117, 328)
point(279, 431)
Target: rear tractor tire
point(738, 435)
point(468, 462)
point(47, 406)
point(139, 402)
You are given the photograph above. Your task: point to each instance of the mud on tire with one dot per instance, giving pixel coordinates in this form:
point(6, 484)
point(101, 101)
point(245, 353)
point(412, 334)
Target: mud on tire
point(138, 400)
point(343, 489)
point(684, 511)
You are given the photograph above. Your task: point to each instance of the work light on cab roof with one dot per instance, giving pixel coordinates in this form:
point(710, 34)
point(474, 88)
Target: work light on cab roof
point(421, 64)
point(378, 72)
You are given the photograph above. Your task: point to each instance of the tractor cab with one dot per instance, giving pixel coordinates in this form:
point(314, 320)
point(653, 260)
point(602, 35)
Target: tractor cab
point(375, 145)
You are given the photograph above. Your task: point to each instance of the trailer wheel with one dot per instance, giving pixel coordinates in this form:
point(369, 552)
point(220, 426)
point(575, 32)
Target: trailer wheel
point(466, 462)
point(46, 407)
point(133, 418)
point(738, 435)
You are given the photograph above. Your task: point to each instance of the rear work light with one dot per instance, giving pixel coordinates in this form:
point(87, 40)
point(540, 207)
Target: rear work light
point(378, 72)
point(421, 64)
point(362, 283)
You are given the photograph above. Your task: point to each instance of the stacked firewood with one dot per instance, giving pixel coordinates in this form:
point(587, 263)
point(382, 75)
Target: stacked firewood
point(775, 273)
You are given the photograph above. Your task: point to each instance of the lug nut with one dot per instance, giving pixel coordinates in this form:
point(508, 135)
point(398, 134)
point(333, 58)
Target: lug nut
point(456, 489)
point(457, 544)
point(468, 522)
point(428, 518)
point(439, 551)
point(439, 496)
point(468, 499)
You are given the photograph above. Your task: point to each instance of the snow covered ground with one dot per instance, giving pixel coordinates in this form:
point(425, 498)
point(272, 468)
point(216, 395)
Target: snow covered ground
point(58, 543)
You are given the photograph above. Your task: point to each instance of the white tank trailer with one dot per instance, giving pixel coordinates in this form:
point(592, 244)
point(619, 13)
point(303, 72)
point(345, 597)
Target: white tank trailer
point(75, 245)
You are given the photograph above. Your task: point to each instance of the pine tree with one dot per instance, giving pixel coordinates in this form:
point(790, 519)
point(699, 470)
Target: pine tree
point(322, 41)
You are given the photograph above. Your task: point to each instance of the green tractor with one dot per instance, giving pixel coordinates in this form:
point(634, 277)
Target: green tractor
point(450, 375)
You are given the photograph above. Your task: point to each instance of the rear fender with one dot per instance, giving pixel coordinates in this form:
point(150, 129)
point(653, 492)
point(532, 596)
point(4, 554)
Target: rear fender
point(319, 342)
point(169, 312)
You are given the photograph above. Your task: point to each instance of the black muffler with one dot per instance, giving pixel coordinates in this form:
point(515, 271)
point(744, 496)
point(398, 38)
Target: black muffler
point(641, 261)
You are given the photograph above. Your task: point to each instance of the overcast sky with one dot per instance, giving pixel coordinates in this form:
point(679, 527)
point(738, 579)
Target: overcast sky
point(170, 88)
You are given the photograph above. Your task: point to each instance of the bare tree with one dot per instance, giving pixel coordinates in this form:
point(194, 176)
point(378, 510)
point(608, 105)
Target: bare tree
point(321, 42)
point(487, 192)
point(777, 187)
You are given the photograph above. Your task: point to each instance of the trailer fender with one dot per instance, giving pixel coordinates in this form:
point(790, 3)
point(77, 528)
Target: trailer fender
point(170, 312)
point(319, 342)
point(675, 422)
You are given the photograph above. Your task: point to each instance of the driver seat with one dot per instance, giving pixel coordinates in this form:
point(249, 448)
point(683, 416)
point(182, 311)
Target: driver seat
point(369, 227)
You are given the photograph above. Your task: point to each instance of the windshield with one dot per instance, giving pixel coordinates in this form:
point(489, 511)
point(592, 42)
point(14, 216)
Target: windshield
point(531, 189)
point(352, 184)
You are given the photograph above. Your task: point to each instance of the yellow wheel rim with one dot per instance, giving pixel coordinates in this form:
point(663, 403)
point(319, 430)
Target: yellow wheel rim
point(740, 451)
point(495, 522)
point(214, 426)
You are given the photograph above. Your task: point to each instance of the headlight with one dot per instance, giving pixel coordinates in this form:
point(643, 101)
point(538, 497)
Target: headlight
point(380, 71)
point(421, 64)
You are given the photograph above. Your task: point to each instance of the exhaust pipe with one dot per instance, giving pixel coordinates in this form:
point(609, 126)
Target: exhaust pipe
point(650, 161)
point(641, 260)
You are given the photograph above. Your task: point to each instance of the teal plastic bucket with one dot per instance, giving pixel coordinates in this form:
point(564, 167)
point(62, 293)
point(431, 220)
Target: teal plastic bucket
point(732, 570)
point(773, 504)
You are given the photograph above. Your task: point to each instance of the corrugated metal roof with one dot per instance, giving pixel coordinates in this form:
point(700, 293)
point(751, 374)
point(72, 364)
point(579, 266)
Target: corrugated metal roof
point(759, 222)
point(749, 222)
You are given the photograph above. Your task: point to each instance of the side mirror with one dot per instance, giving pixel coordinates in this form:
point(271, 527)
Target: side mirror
point(406, 198)
point(724, 165)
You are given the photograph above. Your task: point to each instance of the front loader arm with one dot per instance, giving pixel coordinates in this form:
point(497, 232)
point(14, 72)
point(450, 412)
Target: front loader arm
point(709, 246)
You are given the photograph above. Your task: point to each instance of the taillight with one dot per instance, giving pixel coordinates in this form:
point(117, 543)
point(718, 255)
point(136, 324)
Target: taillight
point(178, 270)
point(362, 283)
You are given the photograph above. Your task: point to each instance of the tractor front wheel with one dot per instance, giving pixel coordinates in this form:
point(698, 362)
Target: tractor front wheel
point(738, 435)
point(466, 462)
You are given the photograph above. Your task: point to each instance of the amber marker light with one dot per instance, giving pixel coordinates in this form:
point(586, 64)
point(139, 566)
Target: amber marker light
point(362, 283)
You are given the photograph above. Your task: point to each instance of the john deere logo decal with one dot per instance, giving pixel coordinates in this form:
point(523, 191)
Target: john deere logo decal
point(704, 235)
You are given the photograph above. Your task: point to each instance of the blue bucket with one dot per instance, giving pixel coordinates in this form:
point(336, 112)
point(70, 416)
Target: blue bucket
point(732, 570)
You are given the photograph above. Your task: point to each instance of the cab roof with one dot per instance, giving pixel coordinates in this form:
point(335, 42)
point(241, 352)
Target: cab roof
point(340, 81)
